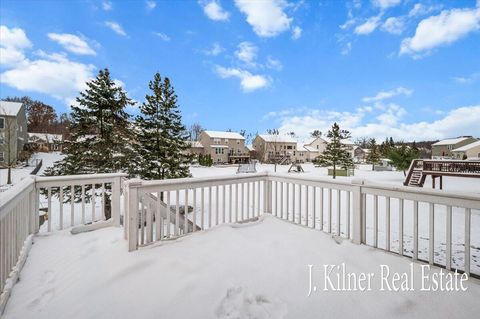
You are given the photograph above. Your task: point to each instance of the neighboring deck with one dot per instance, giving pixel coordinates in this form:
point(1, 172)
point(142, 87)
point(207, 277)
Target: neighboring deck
point(420, 169)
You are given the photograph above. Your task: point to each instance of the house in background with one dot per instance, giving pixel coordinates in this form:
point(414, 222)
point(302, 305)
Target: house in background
point(275, 148)
point(45, 142)
point(360, 154)
point(196, 148)
point(445, 147)
point(469, 151)
point(224, 147)
point(13, 131)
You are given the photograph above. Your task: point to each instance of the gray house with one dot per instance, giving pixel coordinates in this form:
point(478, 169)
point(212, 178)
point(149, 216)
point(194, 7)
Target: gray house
point(13, 131)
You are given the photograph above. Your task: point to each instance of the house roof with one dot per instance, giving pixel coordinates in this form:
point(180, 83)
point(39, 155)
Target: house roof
point(250, 147)
point(310, 149)
point(195, 144)
point(227, 135)
point(450, 141)
point(313, 139)
point(467, 147)
point(49, 138)
point(10, 108)
point(277, 138)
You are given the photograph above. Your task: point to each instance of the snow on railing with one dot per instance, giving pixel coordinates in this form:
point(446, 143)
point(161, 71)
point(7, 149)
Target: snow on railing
point(20, 211)
point(378, 215)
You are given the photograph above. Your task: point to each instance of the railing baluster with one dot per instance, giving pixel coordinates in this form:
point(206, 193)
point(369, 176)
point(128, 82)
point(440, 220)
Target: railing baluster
point(288, 201)
point(224, 204)
point(61, 207)
point(347, 218)
point(415, 230)
point(230, 203)
point(185, 213)
point(248, 200)
point(431, 231)
point(314, 206)
point(202, 207)
point(177, 213)
point(468, 216)
point(254, 196)
point(148, 223)
point(320, 203)
point(375, 221)
point(158, 217)
point(216, 205)
point(339, 197)
point(281, 200)
point(448, 258)
point(236, 202)
point(400, 226)
point(142, 222)
point(169, 212)
point(72, 202)
point(49, 209)
point(210, 206)
point(103, 201)
point(329, 210)
point(294, 208)
point(83, 204)
point(194, 213)
point(300, 222)
point(387, 223)
point(306, 206)
point(93, 202)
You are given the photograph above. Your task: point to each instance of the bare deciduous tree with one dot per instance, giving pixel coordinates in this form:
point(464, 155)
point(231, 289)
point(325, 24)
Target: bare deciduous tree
point(8, 136)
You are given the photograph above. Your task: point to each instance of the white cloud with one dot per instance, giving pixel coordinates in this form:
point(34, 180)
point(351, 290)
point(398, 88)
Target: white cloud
point(214, 10)
point(248, 81)
point(51, 74)
point(274, 64)
point(150, 5)
point(107, 5)
point(162, 36)
point(347, 48)
point(383, 95)
point(458, 121)
point(14, 43)
point(72, 43)
point(267, 17)
point(385, 4)
point(442, 29)
point(215, 50)
point(467, 79)
point(394, 25)
point(368, 26)
point(296, 33)
point(247, 53)
point(421, 9)
point(117, 28)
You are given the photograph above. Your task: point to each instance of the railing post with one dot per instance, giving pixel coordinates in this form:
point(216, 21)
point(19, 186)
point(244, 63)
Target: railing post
point(116, 201)
point(267, 195)
point(131, 213)
point(358, 215)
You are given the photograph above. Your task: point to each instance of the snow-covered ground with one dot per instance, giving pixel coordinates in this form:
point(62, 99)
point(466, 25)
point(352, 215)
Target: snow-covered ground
point(256, 270)
point(21, 172)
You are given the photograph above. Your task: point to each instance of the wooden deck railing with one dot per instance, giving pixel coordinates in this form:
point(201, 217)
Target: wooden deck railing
point(452, 167)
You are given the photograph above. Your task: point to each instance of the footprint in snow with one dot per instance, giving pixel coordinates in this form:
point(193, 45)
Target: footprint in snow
point(241, 303)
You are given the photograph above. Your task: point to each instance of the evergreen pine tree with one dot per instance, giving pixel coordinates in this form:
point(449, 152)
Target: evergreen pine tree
point(161, 138)
point(100, 138)
point(401, 157)
point(374, 155)
point(336, 153)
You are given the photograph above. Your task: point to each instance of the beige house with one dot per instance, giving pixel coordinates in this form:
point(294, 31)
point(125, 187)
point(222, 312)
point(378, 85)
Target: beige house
point(45, 142)
point(195, 148)
point(314, 148)
point(224, 147)
point(13, 131)
point(470, 151)
point(275, 148)
point(444, 148)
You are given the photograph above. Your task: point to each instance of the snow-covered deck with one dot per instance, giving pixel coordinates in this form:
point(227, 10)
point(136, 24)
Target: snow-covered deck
point(254, 270)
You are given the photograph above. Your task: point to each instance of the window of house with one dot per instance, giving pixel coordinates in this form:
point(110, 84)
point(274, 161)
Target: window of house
point(226, 140)
point(2, 122)
point(289, 147)
point(2, 156)
point(2, 138)
point(317, 147)
point(216, 141)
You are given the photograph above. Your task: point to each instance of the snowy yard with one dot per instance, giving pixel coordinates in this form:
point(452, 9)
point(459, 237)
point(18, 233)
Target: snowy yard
point(256, 270)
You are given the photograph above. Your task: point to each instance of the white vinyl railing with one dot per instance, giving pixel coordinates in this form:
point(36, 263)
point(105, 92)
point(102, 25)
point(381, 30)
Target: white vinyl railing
point(20, 207)
point(379, 215)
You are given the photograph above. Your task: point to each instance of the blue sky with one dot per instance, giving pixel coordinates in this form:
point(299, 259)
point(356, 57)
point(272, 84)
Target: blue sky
point(403, 68)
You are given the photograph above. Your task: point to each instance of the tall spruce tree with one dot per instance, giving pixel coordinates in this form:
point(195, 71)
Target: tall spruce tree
point(336, 153)
point(161, 139)
point(374, 155)
point(100, 134)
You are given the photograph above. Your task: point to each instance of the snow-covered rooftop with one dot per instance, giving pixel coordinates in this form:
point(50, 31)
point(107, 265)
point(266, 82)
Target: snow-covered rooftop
point(10, 108)
point(254, 270)
point(277, 138)
point(450, 141)
point(195, 144)
point(227, 135)
point(49, 138)
point(467, 147)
